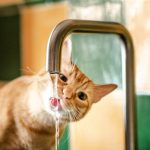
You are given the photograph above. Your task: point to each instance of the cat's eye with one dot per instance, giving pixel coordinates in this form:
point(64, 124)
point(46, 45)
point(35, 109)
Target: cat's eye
point(82, 96)
point(63, 78)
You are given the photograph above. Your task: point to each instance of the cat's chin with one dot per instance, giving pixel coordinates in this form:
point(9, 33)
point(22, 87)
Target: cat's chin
point(63, 115)
point(64, 112)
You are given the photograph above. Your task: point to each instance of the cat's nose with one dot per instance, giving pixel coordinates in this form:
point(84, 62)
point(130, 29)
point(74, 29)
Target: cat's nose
point(67, 93)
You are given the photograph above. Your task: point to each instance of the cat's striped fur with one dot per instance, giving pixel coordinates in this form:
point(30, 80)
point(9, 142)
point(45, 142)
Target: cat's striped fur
point(26, 123)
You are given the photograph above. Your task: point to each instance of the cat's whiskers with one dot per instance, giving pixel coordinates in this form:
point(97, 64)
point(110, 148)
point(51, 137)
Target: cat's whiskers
point(74, 113)
point(65, 112)
point(68, 111)
point(28, 70)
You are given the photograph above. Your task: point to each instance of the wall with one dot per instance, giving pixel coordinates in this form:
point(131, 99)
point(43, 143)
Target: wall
point(138, 23)
point(37, 23)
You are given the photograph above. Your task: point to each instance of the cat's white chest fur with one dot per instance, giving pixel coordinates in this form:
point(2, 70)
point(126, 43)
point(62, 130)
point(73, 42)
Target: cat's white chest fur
point(38, 97)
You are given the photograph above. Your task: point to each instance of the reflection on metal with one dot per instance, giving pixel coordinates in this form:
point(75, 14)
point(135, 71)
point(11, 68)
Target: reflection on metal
point(67, 27)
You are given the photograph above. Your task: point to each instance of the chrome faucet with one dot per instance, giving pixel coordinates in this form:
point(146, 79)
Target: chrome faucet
point(54, 46)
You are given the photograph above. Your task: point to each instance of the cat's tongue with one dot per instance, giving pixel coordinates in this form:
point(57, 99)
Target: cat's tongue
point(55, 102)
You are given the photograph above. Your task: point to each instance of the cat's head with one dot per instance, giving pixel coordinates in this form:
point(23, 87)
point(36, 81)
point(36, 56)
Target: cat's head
point(77, 92)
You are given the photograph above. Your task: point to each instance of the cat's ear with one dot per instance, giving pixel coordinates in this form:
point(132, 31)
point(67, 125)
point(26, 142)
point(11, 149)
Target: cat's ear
point(102, 90)
point(66, 52)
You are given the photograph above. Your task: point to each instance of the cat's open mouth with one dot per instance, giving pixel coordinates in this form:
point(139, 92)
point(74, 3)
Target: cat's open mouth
point(55, 104)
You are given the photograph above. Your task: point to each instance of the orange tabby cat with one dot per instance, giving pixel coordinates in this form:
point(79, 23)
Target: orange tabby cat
point(26, 118)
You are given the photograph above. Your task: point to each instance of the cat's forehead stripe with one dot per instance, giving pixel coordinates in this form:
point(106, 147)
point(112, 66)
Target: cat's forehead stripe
point(73, 70)
point(79, 77)
point(86, 83)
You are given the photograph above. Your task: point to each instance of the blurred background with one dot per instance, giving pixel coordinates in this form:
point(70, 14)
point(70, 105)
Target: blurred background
point(25, 26)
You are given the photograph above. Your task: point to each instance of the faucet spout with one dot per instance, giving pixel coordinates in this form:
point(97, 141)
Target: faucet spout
point(66, 27)
point(54, 46)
